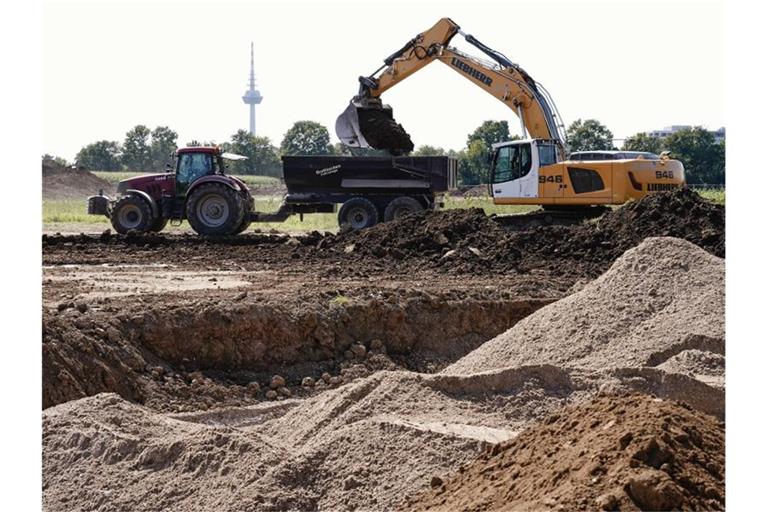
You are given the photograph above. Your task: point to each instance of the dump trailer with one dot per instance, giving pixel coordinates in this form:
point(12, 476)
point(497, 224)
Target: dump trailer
point(364, 191)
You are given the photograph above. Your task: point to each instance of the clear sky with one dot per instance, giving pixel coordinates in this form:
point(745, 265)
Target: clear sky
point(635, 66)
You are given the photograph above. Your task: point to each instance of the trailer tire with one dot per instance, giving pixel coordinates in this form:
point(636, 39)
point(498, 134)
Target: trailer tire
point(131, 213)
point(358, 213)
point(214, 209)
point(400, 206)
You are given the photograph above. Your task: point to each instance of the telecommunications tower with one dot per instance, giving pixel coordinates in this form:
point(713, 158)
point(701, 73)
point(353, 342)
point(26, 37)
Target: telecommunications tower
point(252, 97)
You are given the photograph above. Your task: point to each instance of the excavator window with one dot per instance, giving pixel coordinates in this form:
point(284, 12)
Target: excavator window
point(547, 154)
point(502, 170)
point(512, 163)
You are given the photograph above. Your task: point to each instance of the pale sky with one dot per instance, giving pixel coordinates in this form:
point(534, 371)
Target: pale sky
point(635, 66)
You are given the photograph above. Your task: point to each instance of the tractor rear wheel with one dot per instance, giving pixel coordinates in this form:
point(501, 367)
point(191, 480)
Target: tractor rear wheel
point(215, 209)
point(358, 213)
point(400, 206)
point(244, 225)
point(131, 213)
point(158, 224)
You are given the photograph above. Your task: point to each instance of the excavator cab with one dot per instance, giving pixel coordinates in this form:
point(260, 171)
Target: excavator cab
point(519, 167)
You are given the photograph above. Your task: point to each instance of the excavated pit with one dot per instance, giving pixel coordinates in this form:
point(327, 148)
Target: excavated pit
point(196, 354)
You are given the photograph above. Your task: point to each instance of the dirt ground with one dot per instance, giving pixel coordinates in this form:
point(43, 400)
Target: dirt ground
point(343, 371)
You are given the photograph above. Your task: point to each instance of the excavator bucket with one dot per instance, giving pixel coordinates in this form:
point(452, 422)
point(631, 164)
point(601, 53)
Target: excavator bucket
point(372, 126)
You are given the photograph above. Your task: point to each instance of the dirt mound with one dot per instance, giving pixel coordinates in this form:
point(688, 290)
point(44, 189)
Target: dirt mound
point(595, 245)
point(462, 241)
point(661, 298)
point(61, 182)
point(630, 452)
point(466, 240)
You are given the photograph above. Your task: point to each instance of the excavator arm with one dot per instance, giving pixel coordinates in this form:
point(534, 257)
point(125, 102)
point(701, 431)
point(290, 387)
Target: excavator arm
point(367, 122)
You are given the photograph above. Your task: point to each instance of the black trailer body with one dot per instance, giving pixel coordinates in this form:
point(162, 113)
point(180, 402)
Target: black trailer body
point(369, 189)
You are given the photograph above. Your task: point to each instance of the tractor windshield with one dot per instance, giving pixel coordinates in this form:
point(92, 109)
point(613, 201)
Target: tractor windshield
point(192, 166)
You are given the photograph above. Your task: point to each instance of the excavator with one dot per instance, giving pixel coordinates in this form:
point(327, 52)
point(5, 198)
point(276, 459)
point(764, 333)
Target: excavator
point(533, 171)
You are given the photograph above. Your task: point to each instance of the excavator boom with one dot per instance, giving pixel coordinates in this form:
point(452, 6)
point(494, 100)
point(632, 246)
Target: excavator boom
point(367, 122)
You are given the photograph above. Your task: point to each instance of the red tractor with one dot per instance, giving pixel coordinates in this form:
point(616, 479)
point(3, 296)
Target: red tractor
point(197, 190)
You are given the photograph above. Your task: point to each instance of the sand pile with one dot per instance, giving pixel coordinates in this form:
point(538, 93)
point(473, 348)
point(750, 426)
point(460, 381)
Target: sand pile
point(363, 445)
point(659, 299)
point(61, 182)
point(616, 453)
point(371, 442)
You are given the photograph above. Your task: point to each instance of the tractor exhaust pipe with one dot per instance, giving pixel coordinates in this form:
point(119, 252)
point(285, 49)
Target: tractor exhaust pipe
point(369, 124)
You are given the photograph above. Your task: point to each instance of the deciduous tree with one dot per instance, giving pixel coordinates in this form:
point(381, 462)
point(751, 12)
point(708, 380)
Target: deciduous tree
point(137, 154)
point(262, 155)
point(589, 135)
point(103, 155)
point(306, 138)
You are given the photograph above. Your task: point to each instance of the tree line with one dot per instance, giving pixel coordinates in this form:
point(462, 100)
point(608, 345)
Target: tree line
point(144, 149)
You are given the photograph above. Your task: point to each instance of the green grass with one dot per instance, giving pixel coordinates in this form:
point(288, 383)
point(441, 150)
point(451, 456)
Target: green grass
point(486, 203)
point(340, 300)
point(716, 195)
point(252, 181)
point(69, 211)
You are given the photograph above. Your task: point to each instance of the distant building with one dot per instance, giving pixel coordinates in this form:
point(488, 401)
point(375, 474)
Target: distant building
point(718, 134)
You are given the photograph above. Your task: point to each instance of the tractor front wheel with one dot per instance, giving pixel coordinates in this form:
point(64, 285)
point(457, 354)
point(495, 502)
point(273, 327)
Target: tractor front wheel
point(215, 209)
point(131, 213)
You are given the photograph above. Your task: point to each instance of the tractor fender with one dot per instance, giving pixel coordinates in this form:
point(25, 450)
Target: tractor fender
point(226, 180)
point(147, 198)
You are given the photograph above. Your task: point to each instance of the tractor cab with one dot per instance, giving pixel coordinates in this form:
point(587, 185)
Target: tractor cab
point(194, 163)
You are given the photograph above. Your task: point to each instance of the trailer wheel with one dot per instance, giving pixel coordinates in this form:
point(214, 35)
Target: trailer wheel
point(358, 213)
point(400, 206)
point(131, 213)
point(215, 209)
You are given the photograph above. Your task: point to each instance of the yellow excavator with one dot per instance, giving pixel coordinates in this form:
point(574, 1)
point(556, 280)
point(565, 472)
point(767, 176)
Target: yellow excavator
point(534, 171)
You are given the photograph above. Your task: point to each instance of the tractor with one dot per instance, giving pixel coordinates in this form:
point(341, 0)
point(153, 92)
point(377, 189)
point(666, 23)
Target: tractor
point(197, 190)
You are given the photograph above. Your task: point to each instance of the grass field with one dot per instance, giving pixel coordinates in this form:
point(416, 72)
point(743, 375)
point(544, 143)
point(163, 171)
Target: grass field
point(69, 215)
point(716, 195)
